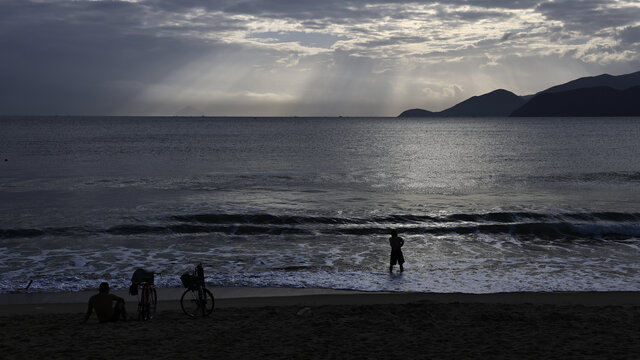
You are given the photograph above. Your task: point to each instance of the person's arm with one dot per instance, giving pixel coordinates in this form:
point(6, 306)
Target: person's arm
point(401, 242)
point(89, 311)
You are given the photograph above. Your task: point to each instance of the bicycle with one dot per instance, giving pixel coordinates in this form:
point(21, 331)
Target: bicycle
point(197, 299)
point(147, 301)
point(142, 285)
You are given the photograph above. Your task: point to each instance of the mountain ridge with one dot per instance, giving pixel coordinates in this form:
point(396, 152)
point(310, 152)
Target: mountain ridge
point(591, 101)
point(499, 102)
point(618, 82)
point(502, 102)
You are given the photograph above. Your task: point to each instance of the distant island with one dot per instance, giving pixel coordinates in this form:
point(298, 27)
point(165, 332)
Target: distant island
point(603, 95)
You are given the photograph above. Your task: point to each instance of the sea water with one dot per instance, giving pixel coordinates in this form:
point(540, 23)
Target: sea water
point(483, 204)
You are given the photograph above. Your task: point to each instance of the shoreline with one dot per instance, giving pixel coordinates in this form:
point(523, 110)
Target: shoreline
point(245, 297)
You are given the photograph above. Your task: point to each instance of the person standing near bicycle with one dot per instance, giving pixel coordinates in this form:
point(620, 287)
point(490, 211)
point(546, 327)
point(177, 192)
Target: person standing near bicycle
point(103, 305)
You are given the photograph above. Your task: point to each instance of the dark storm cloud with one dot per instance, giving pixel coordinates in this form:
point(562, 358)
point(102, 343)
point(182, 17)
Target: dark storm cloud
point(82, 57)
point(471, 15)
point(296, 6)
point(588, 16)
point(104, 19)
point(393, 40)
point(338, 11)
point(630, 35)
point(306, 39)
point(298, 10)
point(501, 4)
point(314, 24)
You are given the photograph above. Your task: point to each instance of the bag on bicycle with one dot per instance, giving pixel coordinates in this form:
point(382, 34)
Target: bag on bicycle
point(133, 289)
point(141, 275)
point(189, 281)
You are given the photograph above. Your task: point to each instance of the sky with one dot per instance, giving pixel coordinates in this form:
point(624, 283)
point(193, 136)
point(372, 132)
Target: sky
point(299, 57)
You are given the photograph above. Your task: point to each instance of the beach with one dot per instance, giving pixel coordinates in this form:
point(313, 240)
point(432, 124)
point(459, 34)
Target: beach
point(519, 243)
point(285, 323)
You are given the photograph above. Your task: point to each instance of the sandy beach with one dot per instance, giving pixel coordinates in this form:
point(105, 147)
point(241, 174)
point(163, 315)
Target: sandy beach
point(323, 324)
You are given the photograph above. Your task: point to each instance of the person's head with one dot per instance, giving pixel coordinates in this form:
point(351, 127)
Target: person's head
point(394, 233)
point(104, 288)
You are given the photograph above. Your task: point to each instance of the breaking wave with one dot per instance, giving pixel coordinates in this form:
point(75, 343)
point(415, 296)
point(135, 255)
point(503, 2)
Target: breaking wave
point(522, 225)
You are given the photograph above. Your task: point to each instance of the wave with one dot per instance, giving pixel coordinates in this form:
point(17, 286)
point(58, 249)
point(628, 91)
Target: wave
point(194, 229)
point(542, 231)
point(501, 217)
point(524, 225)
point(621, 177)
point(263, 219)
point(55, 231)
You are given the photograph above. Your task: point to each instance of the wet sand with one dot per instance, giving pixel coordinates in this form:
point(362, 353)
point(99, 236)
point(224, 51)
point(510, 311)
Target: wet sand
point(321, 324)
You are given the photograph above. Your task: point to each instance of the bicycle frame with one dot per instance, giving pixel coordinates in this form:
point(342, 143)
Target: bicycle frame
point(147, 300)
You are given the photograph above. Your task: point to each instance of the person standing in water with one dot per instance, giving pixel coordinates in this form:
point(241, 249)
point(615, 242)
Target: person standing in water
point(396, 243)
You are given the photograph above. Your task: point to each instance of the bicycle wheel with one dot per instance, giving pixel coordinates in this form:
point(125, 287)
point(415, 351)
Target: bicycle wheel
point(193, 306)
point(190, 303)
point(207, 304)
point(143, 303)
point(142, 308)
point(153, 303)
point(147, 303)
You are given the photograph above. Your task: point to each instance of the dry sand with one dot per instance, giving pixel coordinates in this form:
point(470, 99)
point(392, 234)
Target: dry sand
point(320, 324)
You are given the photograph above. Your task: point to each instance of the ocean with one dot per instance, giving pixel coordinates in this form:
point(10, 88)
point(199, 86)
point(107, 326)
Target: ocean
point(483, 204)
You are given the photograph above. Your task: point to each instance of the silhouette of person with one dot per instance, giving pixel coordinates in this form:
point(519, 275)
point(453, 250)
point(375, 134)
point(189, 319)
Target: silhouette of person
point(396, 243)
point(102, 304)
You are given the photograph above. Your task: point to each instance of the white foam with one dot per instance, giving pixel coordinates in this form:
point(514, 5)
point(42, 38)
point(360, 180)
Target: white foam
point(444, 263)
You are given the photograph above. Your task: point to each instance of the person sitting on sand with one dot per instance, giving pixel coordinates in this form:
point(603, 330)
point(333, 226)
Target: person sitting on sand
point(396, 243)
point(105, 310)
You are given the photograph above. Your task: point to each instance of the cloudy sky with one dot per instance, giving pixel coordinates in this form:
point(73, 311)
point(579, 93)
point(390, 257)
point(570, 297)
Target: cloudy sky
point(299, 57)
